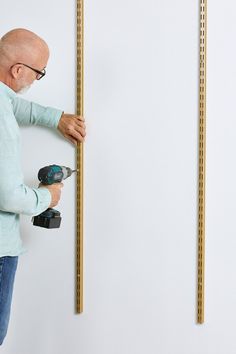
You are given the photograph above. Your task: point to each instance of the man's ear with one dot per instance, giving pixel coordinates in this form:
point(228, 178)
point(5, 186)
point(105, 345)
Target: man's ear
point(16, 71)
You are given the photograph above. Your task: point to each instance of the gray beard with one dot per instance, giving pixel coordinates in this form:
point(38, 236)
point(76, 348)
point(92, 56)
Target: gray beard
point(24, 89)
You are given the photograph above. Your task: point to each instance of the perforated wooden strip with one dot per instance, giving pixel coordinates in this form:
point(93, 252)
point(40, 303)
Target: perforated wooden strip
point(202, 162)
point(80, 111)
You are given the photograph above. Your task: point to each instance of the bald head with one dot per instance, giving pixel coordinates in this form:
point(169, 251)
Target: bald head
point(21, 45)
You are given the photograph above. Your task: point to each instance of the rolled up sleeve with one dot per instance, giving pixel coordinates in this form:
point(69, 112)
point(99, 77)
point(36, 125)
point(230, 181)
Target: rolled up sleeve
point(21, 199)
point(27, 113)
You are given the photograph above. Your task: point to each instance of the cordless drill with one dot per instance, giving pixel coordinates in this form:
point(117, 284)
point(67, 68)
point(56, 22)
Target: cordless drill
point(51, 218)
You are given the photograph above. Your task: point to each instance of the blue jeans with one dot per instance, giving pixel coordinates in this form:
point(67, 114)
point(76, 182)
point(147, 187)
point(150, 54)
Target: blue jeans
point(8, 267)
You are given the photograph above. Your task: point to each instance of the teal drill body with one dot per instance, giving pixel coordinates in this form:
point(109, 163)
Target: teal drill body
point(54, 174)
point(47, 175)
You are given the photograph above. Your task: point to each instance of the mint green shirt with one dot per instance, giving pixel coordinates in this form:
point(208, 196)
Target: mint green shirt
point(15, 197)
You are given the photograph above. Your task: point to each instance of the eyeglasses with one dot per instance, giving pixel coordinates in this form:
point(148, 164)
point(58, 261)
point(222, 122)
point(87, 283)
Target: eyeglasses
point(40, 74)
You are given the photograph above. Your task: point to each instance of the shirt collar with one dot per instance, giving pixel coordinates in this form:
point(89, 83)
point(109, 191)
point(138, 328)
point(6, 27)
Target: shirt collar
point(7, 90)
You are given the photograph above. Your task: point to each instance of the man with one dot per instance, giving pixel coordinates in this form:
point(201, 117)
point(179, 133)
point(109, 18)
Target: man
point(23, 59)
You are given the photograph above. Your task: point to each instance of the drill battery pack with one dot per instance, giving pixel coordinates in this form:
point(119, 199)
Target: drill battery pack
point(50, 219)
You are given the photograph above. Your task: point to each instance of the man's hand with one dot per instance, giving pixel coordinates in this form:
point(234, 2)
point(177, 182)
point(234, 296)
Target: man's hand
point(72, 127)
point(55, 190)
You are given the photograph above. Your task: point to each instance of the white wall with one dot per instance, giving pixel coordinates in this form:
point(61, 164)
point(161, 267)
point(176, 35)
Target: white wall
point(141, 107)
